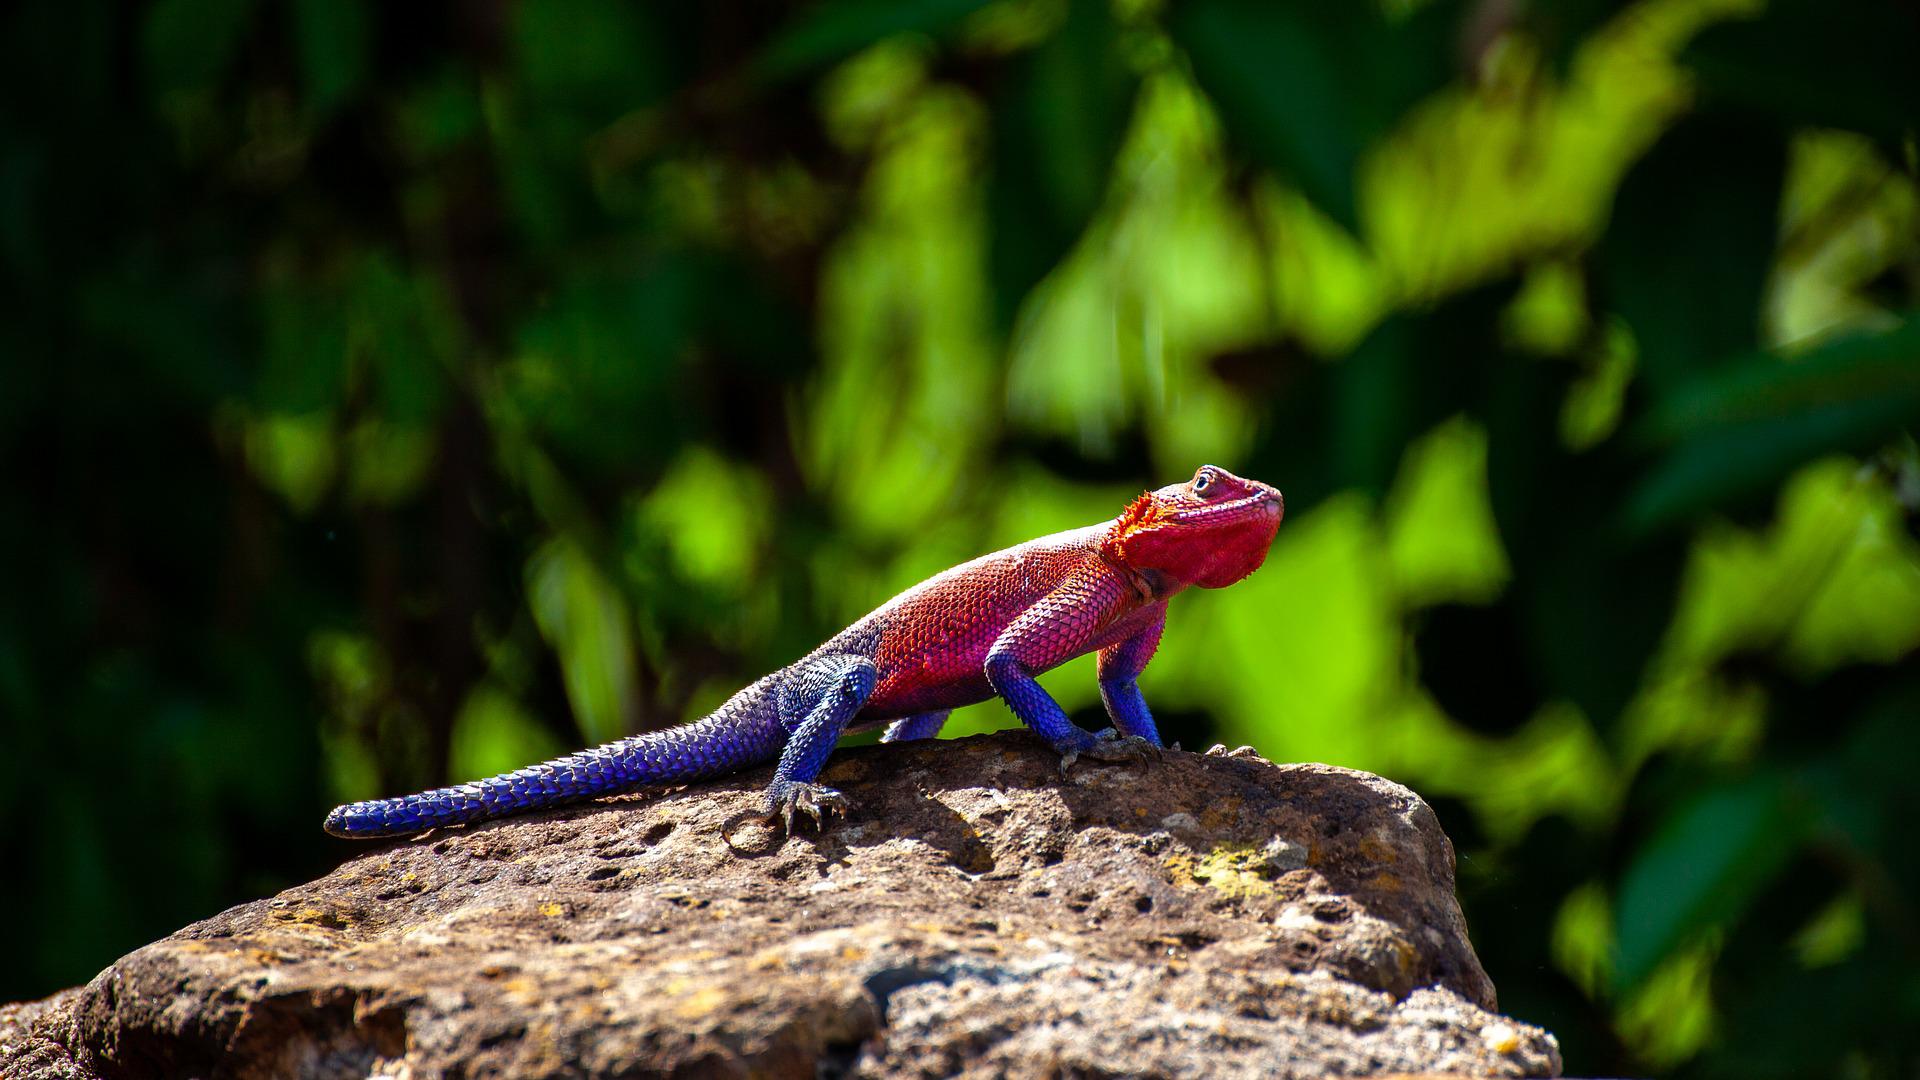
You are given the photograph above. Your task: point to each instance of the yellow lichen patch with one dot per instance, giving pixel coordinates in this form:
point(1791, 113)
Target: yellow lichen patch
point(314, 916)
point(1404, 956)
point(1235, 871)
point(700, 1002)
point(1386, 882)
point(1221, 816)
point(523, 990)
point(552, 910)
point(1374, 849)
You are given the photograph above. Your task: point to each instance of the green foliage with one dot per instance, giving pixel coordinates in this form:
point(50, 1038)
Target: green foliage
point(1308, 88)
point(402, 393)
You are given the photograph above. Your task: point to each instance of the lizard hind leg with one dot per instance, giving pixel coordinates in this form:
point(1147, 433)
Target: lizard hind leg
point(920, 726)
point(815, 710)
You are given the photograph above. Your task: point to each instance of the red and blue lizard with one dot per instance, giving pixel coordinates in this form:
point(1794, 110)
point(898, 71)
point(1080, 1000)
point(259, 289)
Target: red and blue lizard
point(984, 628)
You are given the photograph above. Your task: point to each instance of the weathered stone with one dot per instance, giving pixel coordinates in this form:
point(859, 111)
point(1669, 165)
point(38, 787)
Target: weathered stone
point(1199, 916)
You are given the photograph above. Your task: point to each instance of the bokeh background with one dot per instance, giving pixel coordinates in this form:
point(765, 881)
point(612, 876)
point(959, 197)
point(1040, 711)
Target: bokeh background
point(397, 393)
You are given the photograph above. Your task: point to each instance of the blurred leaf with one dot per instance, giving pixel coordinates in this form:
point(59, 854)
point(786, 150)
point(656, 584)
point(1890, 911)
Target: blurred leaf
point(304, 366)
point(1441, 540)
point(386, 463)
point(583, 616)
point(295, 456)
point(1793, 1021)
point(190, 43)
point(400, 332)
point(1594, 604)
point(1668, 1016)
point(714, 518)
point(598, 367)
point(1701, 867)
point(834, 29)
point(1306, 88)
point(1347, 424)
point(1813, 64)
point(1057, 124)
point(493, 734)
point(599, 57)
point(1739, 429)
point(1411, 373)
point(1687, 256)
point(438, 114)
point(331, 38)
point(1857, 367)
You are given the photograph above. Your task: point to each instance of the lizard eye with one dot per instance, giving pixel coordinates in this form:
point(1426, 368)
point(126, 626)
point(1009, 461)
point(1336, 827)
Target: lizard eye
point(1202, 482)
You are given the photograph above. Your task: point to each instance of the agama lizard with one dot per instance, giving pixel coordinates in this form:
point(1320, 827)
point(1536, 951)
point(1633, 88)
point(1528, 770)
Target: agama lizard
point(982, 628)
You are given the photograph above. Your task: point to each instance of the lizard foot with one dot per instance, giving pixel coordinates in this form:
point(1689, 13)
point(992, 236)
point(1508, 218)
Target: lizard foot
point(1110, 745)
point(816, 801)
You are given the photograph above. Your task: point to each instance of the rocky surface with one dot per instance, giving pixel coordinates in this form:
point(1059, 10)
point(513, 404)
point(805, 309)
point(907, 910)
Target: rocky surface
point(1204, 915)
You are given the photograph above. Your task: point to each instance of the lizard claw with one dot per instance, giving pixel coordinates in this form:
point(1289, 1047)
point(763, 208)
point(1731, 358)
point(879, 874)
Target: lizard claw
point(816, 801)
point(1111, 745)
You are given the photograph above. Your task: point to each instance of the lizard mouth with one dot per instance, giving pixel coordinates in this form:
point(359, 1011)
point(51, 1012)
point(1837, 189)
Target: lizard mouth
point(1260, 502)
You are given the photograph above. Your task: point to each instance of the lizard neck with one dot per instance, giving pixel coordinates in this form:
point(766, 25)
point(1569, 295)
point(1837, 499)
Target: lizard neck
point(1149, 585)
point(1157, 584)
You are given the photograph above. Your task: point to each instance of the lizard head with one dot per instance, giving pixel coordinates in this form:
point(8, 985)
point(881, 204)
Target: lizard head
point(1211, 531)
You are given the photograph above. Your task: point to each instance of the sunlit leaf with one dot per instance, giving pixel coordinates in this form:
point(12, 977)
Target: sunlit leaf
point(581, 614)
point(493, 734)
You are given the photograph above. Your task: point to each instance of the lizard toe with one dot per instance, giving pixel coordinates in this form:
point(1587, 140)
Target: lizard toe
point(793, 800)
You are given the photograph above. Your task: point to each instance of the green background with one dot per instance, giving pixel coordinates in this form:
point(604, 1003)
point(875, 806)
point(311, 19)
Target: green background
point(397, 393)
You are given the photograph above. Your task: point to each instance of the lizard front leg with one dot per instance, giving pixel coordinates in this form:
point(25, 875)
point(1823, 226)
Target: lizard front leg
point(1120, 666)
point(815, 708)
point(1059, 627)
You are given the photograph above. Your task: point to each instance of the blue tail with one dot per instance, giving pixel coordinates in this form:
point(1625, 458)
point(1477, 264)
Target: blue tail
point(722, 743)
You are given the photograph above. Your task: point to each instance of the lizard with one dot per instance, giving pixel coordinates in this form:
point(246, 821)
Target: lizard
point(982, 629)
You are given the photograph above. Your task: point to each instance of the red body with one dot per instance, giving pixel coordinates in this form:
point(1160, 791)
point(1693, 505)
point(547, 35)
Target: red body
point(1060, 596)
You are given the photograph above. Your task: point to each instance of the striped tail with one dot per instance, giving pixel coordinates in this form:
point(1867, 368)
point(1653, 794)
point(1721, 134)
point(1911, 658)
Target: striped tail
point(722, 743)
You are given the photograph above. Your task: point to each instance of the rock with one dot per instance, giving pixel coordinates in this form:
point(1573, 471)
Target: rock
point(1199, 916)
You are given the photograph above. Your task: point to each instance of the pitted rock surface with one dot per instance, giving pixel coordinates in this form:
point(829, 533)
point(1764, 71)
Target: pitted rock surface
point(1203, 915)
